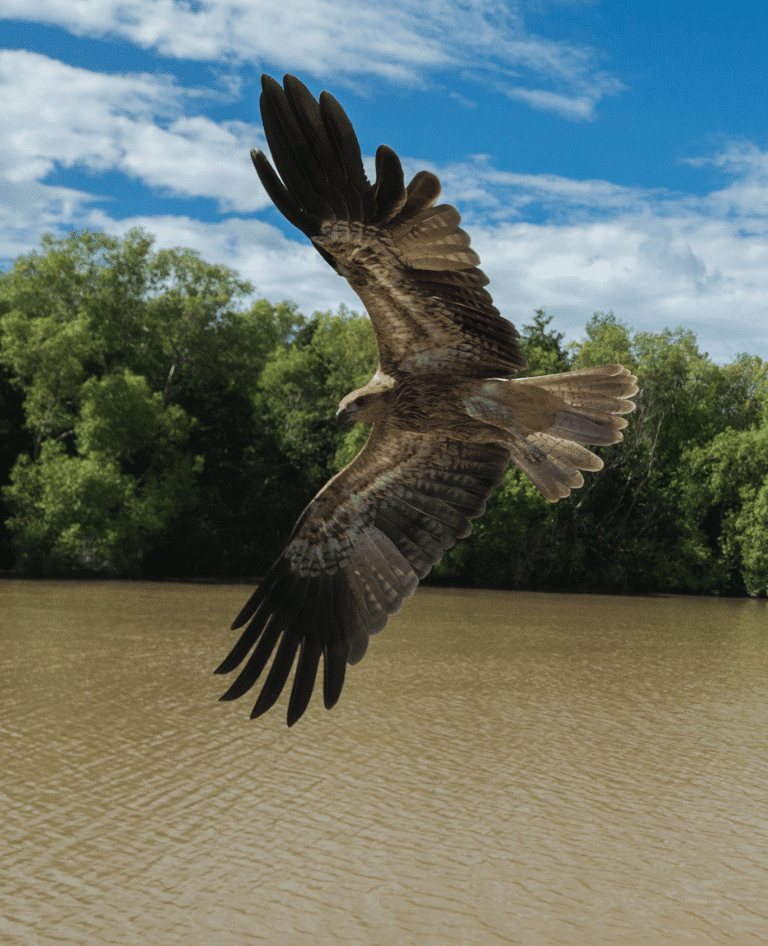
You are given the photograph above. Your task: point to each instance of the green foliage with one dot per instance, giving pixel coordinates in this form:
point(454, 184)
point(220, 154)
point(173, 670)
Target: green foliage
point(658, 516)
point(85, 515)
point(607, 342)
point(493, 556)
point(14, 441)
point(724, 494)
point(138, 378)
point(353, 442)
point(303, 383)
point(542, 348)
point(121, 417)
point(152, 423)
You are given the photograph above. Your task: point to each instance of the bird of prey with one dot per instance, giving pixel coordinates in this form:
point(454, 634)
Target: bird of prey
point(446, 423)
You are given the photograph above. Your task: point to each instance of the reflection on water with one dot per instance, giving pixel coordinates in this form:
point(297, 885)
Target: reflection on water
point(502, 768)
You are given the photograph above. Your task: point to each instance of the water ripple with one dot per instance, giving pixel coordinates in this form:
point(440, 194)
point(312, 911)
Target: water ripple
point(502, 768)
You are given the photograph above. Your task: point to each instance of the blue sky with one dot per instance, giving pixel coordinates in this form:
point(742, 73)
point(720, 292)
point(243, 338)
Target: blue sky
point(604, 156)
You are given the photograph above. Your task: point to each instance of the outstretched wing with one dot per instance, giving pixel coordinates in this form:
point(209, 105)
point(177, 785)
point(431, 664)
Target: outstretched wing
point(358, 550)
point(407, 259)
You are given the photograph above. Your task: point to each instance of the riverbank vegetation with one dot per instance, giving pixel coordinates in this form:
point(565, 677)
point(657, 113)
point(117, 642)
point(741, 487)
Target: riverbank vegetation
point(152, 423)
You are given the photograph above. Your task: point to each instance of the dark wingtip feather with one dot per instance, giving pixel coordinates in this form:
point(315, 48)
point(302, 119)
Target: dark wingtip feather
point(344, 140)
point(309, 656)
point(250, 635)
point(276, 575)
point(227, 665)
point(259, 711)
point(390, 184)
point(336, 648)
point(248, 609)
point(334, 673)
point(238, 688)
point(268, 84)
point(304, 679)
point(280, 196)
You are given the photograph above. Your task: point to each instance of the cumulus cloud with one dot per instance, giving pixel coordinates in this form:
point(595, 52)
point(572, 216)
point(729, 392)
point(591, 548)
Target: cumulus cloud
point(127, 123)
point(747, 194)
point(507, 193)
point(653, 269)
point(655, 257)
point(660, 262)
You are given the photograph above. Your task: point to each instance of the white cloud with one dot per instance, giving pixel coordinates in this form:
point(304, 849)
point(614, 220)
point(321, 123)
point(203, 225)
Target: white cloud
point(747, 194)
point(575, 108)
point(128, 123)
point(656, 258)
point(659, 262)
point(29, 209)
point(400, 41)
point(653, 272)
point(507, 193)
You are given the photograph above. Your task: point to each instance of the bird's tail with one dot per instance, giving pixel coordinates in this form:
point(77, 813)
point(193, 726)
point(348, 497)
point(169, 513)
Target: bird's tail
point(551, 416)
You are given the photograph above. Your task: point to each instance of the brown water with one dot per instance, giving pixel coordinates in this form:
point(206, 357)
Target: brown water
point(502, 768)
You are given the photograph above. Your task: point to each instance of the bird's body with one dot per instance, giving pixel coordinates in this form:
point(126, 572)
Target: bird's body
point(446, 421)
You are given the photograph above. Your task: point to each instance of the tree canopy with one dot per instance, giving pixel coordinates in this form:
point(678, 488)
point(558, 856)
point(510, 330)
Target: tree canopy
point(155, 422)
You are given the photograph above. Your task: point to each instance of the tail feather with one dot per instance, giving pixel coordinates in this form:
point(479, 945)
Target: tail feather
point(587, 427)
point(606, 389)
point(548, 418)
point(553, 477)
point(594, 400)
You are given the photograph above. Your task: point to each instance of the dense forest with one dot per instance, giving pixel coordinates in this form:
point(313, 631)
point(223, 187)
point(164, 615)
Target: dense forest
point(153, 425)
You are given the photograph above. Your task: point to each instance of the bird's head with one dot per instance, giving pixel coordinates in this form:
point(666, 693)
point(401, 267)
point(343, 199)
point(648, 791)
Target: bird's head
point(368, 404)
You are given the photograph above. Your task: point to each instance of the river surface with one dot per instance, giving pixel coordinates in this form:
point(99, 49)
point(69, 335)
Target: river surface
point(501, 768)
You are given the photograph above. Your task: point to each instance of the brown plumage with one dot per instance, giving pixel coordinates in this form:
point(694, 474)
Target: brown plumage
point(445, 426)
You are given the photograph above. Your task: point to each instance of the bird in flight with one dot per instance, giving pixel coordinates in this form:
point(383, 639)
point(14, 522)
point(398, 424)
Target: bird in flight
point(446, 422)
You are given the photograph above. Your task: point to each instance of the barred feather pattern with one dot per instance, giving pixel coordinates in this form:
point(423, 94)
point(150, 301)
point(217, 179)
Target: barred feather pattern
point(548, 418)
point(358, 551)
point(407, 259)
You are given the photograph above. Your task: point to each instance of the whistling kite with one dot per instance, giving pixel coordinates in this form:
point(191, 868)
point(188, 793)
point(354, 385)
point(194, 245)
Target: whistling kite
point(445, 427)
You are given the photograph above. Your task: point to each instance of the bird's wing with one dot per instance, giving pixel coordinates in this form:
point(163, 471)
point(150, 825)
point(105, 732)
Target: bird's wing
point(407, 259)
point(358, 550)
